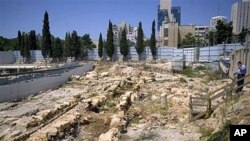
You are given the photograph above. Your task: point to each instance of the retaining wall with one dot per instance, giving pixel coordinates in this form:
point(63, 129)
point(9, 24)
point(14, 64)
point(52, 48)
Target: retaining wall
point(7, 57)
point(24, 89)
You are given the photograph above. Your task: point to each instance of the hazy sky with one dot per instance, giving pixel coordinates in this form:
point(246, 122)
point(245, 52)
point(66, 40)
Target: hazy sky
point(92, 16)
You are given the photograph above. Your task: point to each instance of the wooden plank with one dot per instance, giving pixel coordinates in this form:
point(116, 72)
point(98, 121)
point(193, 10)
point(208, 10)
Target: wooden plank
point(198, 116)
point(218, 95)
point(222, 93)
point(241, 86)
point(198, 104)
point(203, 98)
point(201, 114)
point(220, 88)
point(242, 78)
point(198, 111)
point(204, 113)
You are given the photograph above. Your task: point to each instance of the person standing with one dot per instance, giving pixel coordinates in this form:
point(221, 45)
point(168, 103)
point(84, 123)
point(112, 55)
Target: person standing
point(240, 72)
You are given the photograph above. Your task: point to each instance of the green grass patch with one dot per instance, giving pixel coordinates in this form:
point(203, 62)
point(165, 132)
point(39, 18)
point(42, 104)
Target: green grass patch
point(213, 75)
point(135, 120)
point(110, 104)
point(156, 108)
point(93, 94)
point(200, 68)
point(189, 72)
point(206, 132)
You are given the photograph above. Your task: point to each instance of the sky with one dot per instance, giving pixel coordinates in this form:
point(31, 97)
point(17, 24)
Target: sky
point(92, 16)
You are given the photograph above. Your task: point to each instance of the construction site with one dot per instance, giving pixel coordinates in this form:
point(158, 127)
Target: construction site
point(111, 101)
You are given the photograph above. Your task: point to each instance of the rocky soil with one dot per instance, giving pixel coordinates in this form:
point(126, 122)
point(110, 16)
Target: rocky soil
point(112, 102)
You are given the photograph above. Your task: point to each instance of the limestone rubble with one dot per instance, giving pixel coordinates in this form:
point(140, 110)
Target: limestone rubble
point(119, 101)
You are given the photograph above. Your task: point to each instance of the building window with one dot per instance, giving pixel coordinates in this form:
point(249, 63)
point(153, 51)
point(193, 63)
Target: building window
point(165, 32)
point(165, 43)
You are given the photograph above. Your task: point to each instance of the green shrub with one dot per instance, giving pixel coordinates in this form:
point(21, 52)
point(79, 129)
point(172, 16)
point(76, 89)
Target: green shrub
point(135, 120)
point(199, 68)
point(222, 135)
point(110, 104)
point(189, 72)
point(93, 94)
point(206, 132)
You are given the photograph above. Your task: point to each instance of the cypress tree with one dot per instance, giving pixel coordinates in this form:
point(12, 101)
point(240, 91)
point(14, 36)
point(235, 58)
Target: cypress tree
point(67, 46)
point(153, 41)
point(76, 45)
point(32, 40)
point(87, 44)
point(46, 37)
point(124, 44)
point(22, 45)
point(57, 50)
point(19, 40)
point(27, 48)
point(100, 46)
point(86, 41)
point(139, 44)
point(110, 48)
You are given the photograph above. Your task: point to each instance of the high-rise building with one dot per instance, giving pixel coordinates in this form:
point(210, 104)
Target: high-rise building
point(176, 12)
point(214, 20)
point(168, 13)
point(164, 12)
point(240, 15)
point(162, 16)
point(165, 4)
point(169, 19)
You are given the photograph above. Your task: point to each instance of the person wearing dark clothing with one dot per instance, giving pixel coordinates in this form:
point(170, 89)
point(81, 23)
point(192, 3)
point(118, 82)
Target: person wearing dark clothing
point(241, 72)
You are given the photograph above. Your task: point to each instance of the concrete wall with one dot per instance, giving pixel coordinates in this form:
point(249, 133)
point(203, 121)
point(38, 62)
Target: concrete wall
point(24, 89)
point(7, 57)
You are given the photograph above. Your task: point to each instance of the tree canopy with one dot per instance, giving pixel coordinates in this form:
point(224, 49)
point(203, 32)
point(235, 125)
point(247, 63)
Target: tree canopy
point(8, 44)
point(153, 41)
point(68, 52)
point(189, 40)
point(224, 32)
point(100, 46)
point(124, 48)
point(140, 41)
point(32, 40)
point(57, 52)
point(76, 45)
point(110, 48)
point(46, 37)
point(242, 35)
